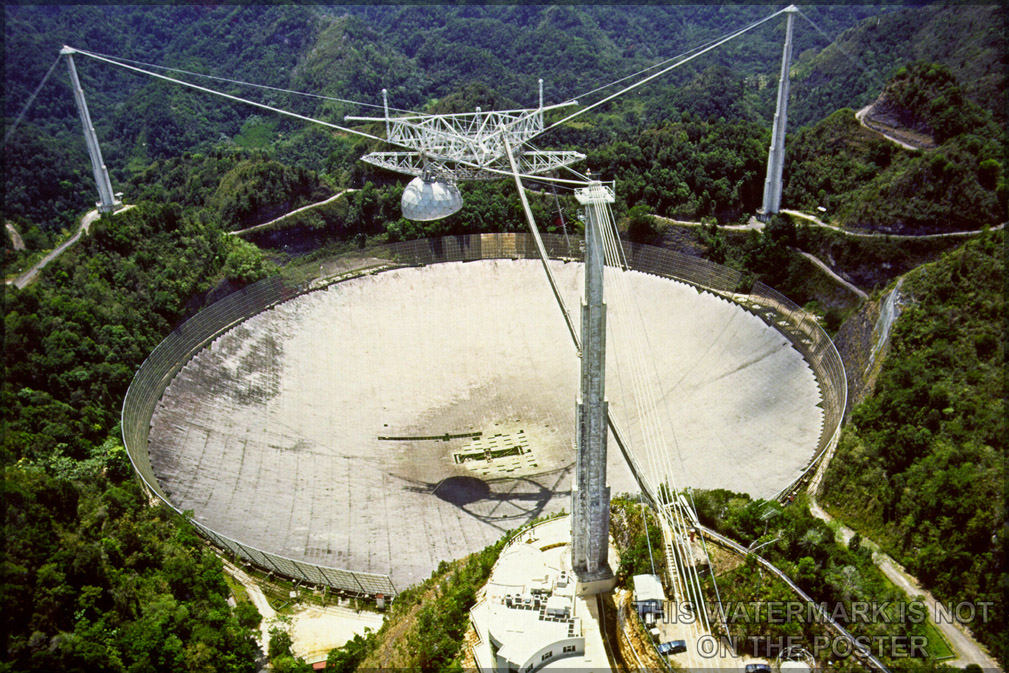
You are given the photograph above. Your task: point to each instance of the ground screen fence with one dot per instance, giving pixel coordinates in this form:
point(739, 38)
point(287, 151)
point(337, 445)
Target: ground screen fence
point(186, 340)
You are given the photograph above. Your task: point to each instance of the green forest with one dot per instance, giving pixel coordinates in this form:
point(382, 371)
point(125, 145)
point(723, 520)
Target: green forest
point(921, 466)
point(96, 579)
point(832, 574)
point(351, 53)
point(93, 577)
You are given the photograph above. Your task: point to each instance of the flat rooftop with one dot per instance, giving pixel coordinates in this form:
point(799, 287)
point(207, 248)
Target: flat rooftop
point(539, 561)
point(648, 588)
point(392, 421)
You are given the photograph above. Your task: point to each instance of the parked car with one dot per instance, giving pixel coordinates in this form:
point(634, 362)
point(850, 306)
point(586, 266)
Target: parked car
point(673, 647)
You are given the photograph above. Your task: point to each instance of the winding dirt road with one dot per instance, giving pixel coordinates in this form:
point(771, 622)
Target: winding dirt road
point(878, 234)
point(860, 116)
point(29, 276)
point(830, 272)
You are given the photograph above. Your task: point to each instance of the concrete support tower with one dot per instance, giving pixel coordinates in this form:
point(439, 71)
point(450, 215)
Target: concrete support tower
point(776, 155)
point(107, 200)
point(590, 496)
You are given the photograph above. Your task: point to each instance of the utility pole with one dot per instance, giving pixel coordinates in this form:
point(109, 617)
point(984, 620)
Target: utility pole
point(107, 200)
point(776, 154)
point(590, 496)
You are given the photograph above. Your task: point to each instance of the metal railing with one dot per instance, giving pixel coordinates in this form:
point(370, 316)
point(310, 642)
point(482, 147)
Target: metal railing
point(187, 339)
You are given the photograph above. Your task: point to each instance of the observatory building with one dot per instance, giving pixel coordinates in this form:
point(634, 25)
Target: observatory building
point(529, 615)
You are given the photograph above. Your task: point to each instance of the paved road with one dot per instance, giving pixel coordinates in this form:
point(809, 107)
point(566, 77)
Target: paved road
point(968, 650)
point(861, 650)
point(754, 223)
point(29, 276)
point(264, 225)
point(860, 116)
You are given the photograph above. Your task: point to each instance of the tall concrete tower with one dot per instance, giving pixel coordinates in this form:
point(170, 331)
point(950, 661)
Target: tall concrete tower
point(590, 496)
point(776, 154)
point(107, 201)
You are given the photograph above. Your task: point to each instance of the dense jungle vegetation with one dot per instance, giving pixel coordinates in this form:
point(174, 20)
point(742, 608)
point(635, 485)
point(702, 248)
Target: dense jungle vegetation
point(870, 183)
point(353, 52)
point(921, 466)
point(94, 579)
point(833, 575)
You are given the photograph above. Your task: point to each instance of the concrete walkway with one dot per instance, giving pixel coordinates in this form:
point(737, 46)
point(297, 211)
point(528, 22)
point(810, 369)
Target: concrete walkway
point(29, 276)
point(830, 272)
point(264, 225)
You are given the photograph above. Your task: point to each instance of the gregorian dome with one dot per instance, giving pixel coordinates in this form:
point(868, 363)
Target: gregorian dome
point(430, 199)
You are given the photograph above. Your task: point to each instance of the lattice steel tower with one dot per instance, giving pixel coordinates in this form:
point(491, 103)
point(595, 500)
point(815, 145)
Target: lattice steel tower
point(590, 496)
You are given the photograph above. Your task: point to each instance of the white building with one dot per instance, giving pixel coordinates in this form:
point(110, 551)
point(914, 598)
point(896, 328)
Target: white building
point(648, 597)
point(529, 617)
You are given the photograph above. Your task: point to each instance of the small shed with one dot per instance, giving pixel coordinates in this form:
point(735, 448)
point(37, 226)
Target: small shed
point(648, 595)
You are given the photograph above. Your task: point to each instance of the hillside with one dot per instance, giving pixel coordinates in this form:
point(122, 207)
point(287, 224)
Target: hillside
point(867, 182)
point(921, 466)
point(499, 51)
point(969, 39)
point(350, 53)
point(424, 628)
point(95, 579)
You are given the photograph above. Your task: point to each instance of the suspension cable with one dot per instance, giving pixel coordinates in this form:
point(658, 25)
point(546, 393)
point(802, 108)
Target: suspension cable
point(238, 81)
point(686, 580)
point(313, 120)
point(540, 247)
point(653, 66)
point(263, 106)
point(833, 41)
point(31, 99)
point(689, 583)
point(661, 72)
